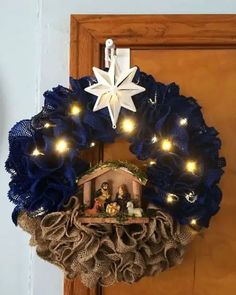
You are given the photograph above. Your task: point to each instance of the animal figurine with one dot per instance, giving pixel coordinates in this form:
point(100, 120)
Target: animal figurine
point(137, 212)
point(112, 208)
point(96, 208)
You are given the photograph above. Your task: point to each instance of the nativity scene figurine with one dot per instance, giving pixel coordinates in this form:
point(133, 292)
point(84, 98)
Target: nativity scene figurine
point(111, 191)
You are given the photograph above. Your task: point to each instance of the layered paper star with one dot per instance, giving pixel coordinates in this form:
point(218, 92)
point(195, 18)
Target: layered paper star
point(114, 90)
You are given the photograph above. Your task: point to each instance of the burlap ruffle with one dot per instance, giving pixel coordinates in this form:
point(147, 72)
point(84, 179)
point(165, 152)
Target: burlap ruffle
point(106, 253)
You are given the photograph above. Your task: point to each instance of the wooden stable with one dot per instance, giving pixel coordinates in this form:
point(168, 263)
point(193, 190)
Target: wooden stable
point(115, 177)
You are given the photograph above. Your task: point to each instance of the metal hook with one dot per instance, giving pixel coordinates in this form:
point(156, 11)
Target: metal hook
point(109, 52)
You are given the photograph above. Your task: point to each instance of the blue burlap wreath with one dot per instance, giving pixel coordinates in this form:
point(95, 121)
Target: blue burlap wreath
point(43, 184)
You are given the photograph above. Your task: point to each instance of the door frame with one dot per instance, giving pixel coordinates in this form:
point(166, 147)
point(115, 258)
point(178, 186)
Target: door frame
point(89, 33)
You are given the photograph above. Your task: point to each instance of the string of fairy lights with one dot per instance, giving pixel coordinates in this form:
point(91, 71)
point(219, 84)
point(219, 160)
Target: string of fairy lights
point(128, 126)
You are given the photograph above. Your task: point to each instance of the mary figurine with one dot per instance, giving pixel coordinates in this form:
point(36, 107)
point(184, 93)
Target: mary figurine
point(122, 197)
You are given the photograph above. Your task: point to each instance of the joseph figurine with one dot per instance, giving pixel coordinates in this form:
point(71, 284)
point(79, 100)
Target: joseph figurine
point(104, 194)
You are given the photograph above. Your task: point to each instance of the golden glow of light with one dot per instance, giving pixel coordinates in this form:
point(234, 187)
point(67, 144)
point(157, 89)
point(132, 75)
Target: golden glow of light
point(191, 166)
point(152, 163)
point(169, 198)
point(61, 146)
point(166, 145)
point(36, 152)
point(128, 125)
point(183, 121)
point(47, 125)
point(154, 139)
point(193, 221)
point(75, 109)
point(92, 144)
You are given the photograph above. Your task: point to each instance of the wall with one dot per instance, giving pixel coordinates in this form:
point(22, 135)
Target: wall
point(18, 64)
point(34, 54)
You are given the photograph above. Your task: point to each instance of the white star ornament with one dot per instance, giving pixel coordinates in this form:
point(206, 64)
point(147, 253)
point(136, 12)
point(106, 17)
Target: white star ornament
point(114, 90)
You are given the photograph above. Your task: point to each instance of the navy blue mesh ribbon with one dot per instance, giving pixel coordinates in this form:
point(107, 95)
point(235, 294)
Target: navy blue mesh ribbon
point(45, 183)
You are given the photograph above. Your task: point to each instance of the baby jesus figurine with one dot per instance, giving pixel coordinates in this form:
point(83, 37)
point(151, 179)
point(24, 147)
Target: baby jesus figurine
point(122, 197)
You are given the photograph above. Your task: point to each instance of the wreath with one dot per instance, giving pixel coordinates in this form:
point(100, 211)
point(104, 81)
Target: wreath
point(179, 187)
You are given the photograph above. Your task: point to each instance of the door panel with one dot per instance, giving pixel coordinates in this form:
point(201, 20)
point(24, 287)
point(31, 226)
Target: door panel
point(199, 54)
point(209, 76)
point(120, 151)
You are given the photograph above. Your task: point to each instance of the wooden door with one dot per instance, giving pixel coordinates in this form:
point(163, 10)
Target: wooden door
point(198, 52)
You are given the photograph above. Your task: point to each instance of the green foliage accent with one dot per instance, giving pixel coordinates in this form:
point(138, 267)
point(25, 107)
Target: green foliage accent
point(119, 164)
point(122, 217)
point(103, 214)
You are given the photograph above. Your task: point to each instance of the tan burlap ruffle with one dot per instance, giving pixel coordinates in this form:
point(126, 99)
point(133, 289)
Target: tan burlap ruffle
point(106, 253)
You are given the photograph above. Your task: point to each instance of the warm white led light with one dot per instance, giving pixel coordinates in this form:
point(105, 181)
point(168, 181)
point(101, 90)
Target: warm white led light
point(166, 145)
point(75, 110)
point(154, 139)
point(36, 152)
point(47, 125)
point(128, 125)
point(61, 146)
point(193, 221)
point(191, 166)
point(171, 198)
point(183, 121)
